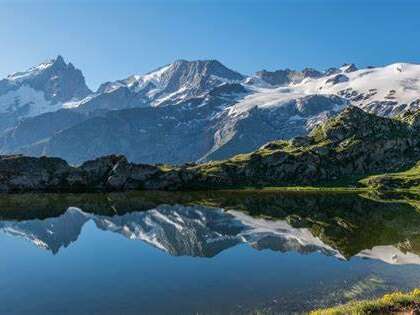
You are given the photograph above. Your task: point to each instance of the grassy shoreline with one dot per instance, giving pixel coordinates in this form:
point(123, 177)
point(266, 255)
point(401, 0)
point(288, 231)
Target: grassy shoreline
point(392, 303)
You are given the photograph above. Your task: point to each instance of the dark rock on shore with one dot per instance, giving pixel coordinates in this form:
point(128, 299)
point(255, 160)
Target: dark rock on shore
point(20, 173)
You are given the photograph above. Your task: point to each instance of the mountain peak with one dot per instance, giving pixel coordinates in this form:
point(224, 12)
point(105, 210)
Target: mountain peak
point(202, 61)
point(175, 82)
point(42, 88)
point(209, 66)
point(59, 61)
point(59, 58)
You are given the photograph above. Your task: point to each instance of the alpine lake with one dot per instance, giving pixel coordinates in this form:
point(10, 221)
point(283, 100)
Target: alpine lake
point(220, 252)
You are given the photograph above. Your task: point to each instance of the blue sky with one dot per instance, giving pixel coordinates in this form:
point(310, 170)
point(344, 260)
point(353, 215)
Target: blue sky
point(110, 40)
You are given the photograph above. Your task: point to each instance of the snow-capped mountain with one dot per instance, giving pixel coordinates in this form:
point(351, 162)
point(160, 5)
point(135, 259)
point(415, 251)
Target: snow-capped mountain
point(167, 85)
point(40, 89)
point(195, 231)
point(188, 110)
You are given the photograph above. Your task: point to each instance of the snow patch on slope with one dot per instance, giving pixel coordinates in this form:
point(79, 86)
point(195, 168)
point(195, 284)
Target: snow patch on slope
point(31, 72)
point(399, 82)
point(28, 100)
point(390, 255)
point(265, 98)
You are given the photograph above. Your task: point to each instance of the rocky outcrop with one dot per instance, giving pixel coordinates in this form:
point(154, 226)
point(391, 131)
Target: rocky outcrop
point(20, 173)
point(287, 76)
point(339, 78)
point(109, 173)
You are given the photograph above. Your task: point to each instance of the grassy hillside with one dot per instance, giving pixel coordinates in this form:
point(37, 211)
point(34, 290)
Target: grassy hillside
point(342, 151)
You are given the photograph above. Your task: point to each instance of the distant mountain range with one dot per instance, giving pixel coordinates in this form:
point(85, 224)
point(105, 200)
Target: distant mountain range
point(188, 110)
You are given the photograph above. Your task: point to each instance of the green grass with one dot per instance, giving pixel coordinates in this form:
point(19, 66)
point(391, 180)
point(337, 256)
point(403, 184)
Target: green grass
point(393, 302)
point(409, 179)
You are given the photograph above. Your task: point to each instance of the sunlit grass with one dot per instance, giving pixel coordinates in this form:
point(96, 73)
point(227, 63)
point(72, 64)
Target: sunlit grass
point(393, 302)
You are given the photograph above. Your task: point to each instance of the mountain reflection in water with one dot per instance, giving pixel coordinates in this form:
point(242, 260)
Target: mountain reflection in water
point(234, 252)
point(203, 225)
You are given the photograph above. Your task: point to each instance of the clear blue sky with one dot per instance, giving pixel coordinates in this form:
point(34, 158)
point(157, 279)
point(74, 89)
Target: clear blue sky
point(110, 40)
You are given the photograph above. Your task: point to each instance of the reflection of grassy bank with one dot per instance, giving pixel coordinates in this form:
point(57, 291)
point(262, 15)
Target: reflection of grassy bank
point(307, 188)
point(397, 302)
point(402, 196)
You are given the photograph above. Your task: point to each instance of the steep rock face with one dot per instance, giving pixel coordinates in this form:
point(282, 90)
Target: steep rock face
point(43, 88)
point(120, 98)
point(60, 81)
point(164, 135)
point(38, 129)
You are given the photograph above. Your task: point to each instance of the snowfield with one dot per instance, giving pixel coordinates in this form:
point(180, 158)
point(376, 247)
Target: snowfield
point(397, 84)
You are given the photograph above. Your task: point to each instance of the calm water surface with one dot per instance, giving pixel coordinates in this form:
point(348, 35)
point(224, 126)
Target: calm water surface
point(202, 253)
